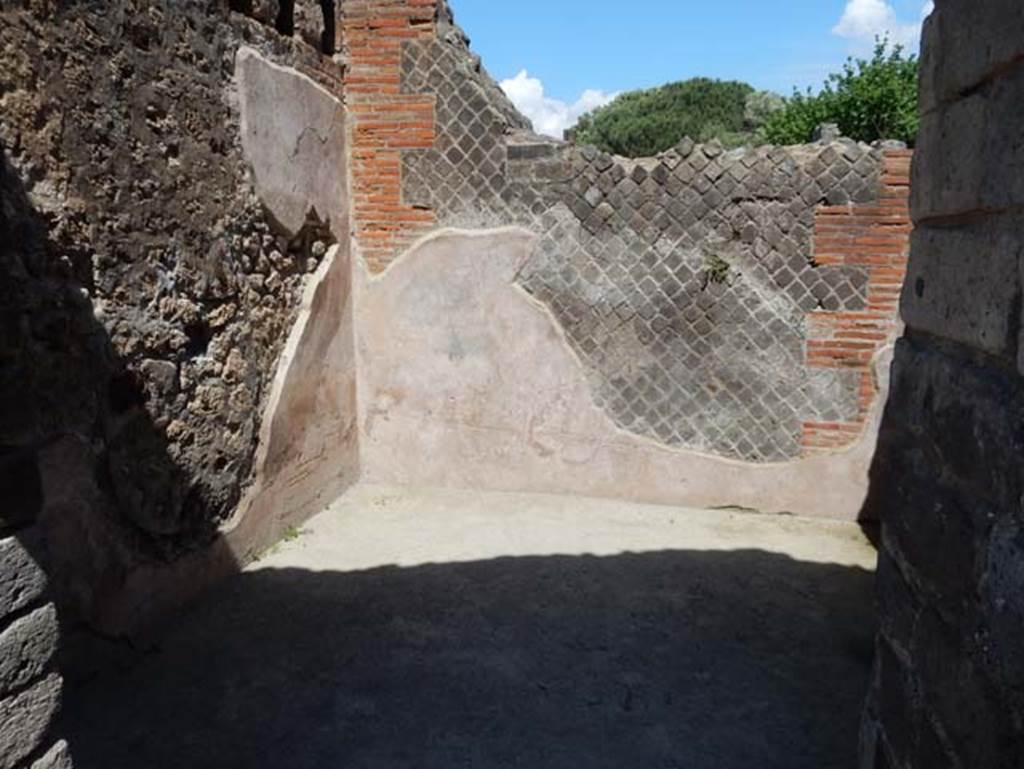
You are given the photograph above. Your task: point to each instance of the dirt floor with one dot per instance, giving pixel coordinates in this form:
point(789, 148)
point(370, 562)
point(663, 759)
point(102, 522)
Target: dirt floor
point(427, 628)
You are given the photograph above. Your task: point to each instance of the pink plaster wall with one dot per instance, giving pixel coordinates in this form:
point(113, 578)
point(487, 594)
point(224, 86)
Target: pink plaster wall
point(465, 381)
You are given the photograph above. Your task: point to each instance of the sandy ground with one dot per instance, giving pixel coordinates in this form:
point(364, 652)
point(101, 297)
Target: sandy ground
point(434, 628)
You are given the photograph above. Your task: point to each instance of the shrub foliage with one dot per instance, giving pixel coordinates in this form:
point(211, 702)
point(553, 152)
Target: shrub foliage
point(642, 123)
point(870, 99)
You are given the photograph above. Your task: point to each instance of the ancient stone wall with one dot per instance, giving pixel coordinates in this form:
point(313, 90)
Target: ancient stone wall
point(947, 482)
point(30, 686)
point(175, 230)
point(724, 304)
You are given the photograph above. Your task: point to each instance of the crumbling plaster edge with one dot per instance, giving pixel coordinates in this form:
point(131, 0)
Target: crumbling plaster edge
point(246, 537)
point(296, 337)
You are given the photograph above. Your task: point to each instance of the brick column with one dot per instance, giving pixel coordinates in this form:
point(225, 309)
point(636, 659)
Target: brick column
point(384, 122)
point(876, 236)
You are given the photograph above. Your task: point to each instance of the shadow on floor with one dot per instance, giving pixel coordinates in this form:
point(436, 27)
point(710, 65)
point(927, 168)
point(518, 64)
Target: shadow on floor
point(715, 660)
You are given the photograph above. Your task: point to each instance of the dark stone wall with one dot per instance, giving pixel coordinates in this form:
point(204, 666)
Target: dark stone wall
point(145, 294)
point(948, 687)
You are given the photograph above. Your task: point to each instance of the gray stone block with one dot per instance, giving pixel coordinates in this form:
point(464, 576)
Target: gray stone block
point(968, 160)
point(26, 647)
point(57, 757)
point(531, 151)
point(684, 147)
point(965, 42)
point(25, 719)
point(22, 581)
point(963, 284)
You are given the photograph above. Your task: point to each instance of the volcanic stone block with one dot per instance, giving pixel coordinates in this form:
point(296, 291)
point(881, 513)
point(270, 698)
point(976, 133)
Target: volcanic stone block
point(22, 581)
point(25, 719)
point(21, 493)
point(965, 44)
point(965, 284)
point(26, 647)
point(984, 167)
point(57, 757)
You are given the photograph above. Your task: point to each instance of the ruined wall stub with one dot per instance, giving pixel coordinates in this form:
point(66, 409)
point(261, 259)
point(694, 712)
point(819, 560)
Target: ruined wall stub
point(724, 303)
point(947, 480)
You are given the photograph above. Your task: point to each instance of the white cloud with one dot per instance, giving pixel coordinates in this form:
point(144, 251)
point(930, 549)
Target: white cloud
point(550, 116)
point(864, 20)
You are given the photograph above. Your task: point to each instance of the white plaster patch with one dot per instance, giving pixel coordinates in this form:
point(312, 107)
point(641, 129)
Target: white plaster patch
point(293, 136)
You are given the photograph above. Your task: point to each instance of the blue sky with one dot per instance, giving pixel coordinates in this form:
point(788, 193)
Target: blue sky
point(576, 53)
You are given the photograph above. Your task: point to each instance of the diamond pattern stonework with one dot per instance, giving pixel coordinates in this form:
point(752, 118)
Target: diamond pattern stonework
point(683, 282)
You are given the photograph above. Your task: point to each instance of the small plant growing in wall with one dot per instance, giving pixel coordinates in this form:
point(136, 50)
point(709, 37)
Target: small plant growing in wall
point(290, 534)
point(716, 269)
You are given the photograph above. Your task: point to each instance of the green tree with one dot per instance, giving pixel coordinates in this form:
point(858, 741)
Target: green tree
point(870, 99)
point(646, 122)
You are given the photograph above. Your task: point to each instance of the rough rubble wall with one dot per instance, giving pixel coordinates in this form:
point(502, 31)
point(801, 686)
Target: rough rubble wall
point(728, 303)
point(948, 688)
point(150, 291)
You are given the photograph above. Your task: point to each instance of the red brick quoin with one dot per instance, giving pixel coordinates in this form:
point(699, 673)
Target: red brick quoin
point(385, 122)
point(876, 236)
